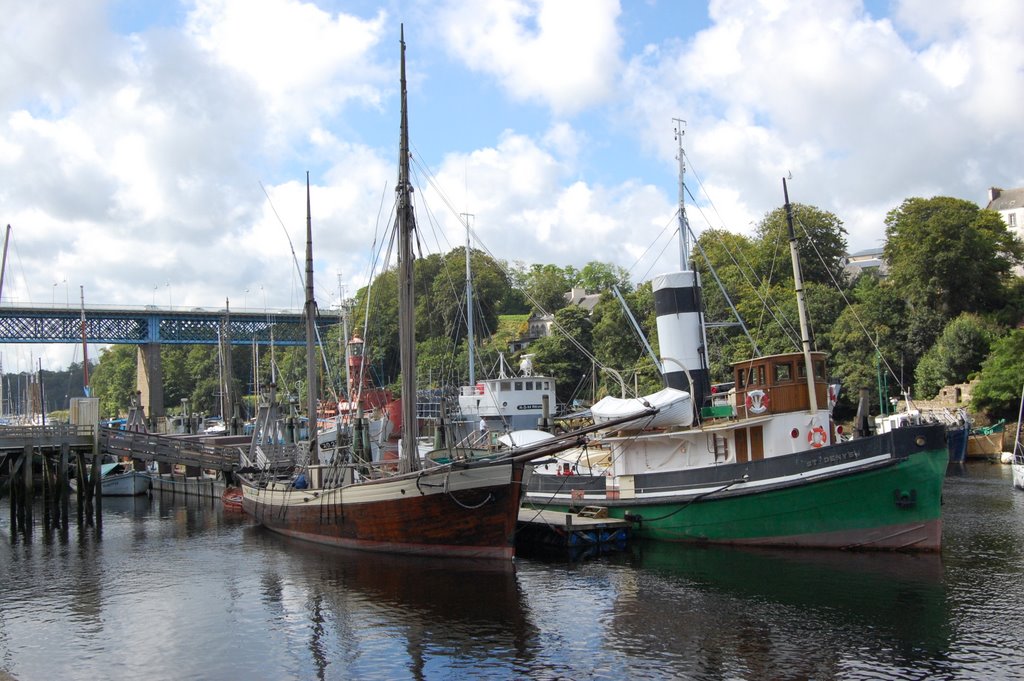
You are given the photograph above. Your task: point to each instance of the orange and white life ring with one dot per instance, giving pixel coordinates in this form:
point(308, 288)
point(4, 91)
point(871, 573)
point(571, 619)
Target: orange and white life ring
point(817, 437)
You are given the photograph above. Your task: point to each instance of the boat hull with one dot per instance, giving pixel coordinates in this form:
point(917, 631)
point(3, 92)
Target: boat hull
point(1018, 474)
point(130, 484)
point(453, 511)
point(882, 492)
point(957, 444)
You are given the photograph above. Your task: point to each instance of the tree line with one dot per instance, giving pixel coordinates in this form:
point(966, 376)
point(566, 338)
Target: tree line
point(945, 311)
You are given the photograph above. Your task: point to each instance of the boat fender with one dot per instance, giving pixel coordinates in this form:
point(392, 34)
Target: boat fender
point(816, 437)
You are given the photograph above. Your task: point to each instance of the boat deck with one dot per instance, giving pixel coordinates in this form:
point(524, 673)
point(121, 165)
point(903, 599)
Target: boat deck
point(578, 533)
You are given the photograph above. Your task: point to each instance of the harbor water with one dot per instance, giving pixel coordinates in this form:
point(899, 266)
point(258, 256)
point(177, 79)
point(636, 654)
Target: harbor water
point(179, 588)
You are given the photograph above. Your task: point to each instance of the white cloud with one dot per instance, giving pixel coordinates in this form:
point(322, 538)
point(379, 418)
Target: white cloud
point(839, 98)
point(134, 161)
point(563, 53)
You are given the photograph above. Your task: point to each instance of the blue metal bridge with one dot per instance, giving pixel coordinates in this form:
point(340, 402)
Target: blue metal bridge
point(155, 325)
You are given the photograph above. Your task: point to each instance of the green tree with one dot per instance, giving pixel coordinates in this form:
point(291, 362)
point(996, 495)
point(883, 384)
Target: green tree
point(999, 387)
point(873, 328)
point(959, 352)
point(617, 344)
point(546, 285)
point(821, 244)
point(950, 256)
point(598, 277)
point(113, 380)
point(564, 354)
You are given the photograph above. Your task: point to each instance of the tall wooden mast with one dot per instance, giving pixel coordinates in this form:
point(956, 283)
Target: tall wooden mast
point(312, 387)
point(801, 302)
point(406, 297)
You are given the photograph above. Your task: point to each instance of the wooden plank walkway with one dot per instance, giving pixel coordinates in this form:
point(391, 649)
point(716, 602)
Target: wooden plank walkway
point(168, 449)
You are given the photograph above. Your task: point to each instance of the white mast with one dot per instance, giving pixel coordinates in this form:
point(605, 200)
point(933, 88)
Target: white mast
point(469, 306)
point(684, 224)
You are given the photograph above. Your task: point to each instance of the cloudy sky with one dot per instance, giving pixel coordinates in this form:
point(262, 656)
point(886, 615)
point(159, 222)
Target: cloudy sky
point(155, 152)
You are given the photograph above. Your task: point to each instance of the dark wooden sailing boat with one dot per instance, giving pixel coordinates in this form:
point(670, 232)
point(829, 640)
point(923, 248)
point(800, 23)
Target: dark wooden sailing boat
point(463, 508)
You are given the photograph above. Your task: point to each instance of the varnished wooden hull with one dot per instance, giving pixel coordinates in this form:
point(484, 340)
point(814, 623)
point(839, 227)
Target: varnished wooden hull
point(467, 511)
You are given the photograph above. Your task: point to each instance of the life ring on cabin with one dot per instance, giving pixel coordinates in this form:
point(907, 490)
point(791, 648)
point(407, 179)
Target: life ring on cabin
point(817, 437)
point(479, 388)
point(757, 401)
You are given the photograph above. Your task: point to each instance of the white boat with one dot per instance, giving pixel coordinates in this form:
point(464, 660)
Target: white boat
point(675, 408)
point(1018, 451)
point(508, 402)
point(120, 480)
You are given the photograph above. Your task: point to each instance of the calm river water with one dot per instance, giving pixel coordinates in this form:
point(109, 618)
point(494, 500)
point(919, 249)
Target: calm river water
point(176, 589)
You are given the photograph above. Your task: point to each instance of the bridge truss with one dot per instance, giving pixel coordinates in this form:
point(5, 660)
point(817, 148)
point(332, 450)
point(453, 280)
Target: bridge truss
point(153, 325)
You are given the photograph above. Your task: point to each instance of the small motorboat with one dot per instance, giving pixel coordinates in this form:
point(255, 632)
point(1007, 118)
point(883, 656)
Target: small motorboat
point(118, 479)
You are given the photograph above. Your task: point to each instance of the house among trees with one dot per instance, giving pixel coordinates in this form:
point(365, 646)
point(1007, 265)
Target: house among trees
point(580, 298)
point(855, 263)
point(539, 324)
point(1010, 204)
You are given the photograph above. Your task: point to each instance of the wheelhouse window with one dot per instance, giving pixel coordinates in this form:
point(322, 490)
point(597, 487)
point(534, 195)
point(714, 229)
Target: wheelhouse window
point(783, 373)
point(506, 385)
point(751, 376)
point(519, 385)
point(819, 369)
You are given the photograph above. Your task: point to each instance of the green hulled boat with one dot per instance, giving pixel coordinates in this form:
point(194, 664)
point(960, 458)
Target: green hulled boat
point(759, 461)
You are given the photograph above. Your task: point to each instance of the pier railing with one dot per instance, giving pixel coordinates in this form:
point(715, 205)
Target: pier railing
point(54, 435)
point(168, 449)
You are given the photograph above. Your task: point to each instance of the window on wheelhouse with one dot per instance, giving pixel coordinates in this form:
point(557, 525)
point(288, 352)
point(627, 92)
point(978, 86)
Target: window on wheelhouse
point(750, 376)
point(819, 369)
point(519, 385)
point(783, 373)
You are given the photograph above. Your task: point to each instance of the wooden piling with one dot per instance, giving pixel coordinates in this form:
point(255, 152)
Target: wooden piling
point(62, 483)
point(97, 487)
point(80, 483)
point(26, 471)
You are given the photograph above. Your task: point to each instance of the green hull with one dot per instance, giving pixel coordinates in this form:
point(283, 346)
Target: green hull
point(892, 507)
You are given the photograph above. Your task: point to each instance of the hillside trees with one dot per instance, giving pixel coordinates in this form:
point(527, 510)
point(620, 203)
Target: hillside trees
point(999, 388)
point(950, 256)
point(958, 352)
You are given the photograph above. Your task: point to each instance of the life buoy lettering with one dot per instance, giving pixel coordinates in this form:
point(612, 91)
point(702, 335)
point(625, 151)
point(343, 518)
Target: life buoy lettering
point(817, 437)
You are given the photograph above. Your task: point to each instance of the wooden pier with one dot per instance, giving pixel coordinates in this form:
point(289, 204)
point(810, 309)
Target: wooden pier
point(576, 535)
point(53, 446)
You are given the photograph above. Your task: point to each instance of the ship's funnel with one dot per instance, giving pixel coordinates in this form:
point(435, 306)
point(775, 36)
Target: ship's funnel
point(678, 306)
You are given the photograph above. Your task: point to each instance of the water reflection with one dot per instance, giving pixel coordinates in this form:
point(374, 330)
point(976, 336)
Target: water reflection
point(760, 613)
point(424, 613)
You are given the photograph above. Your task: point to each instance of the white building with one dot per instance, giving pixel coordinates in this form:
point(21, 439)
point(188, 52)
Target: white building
point(1010, 204)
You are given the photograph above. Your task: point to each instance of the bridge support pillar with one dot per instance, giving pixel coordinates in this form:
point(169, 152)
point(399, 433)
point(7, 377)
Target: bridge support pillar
point(150, 380)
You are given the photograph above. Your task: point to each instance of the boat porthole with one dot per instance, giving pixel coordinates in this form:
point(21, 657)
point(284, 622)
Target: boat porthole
point(919, 441)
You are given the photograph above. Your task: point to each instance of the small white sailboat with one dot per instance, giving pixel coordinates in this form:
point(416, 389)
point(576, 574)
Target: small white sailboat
point(1018, 450)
